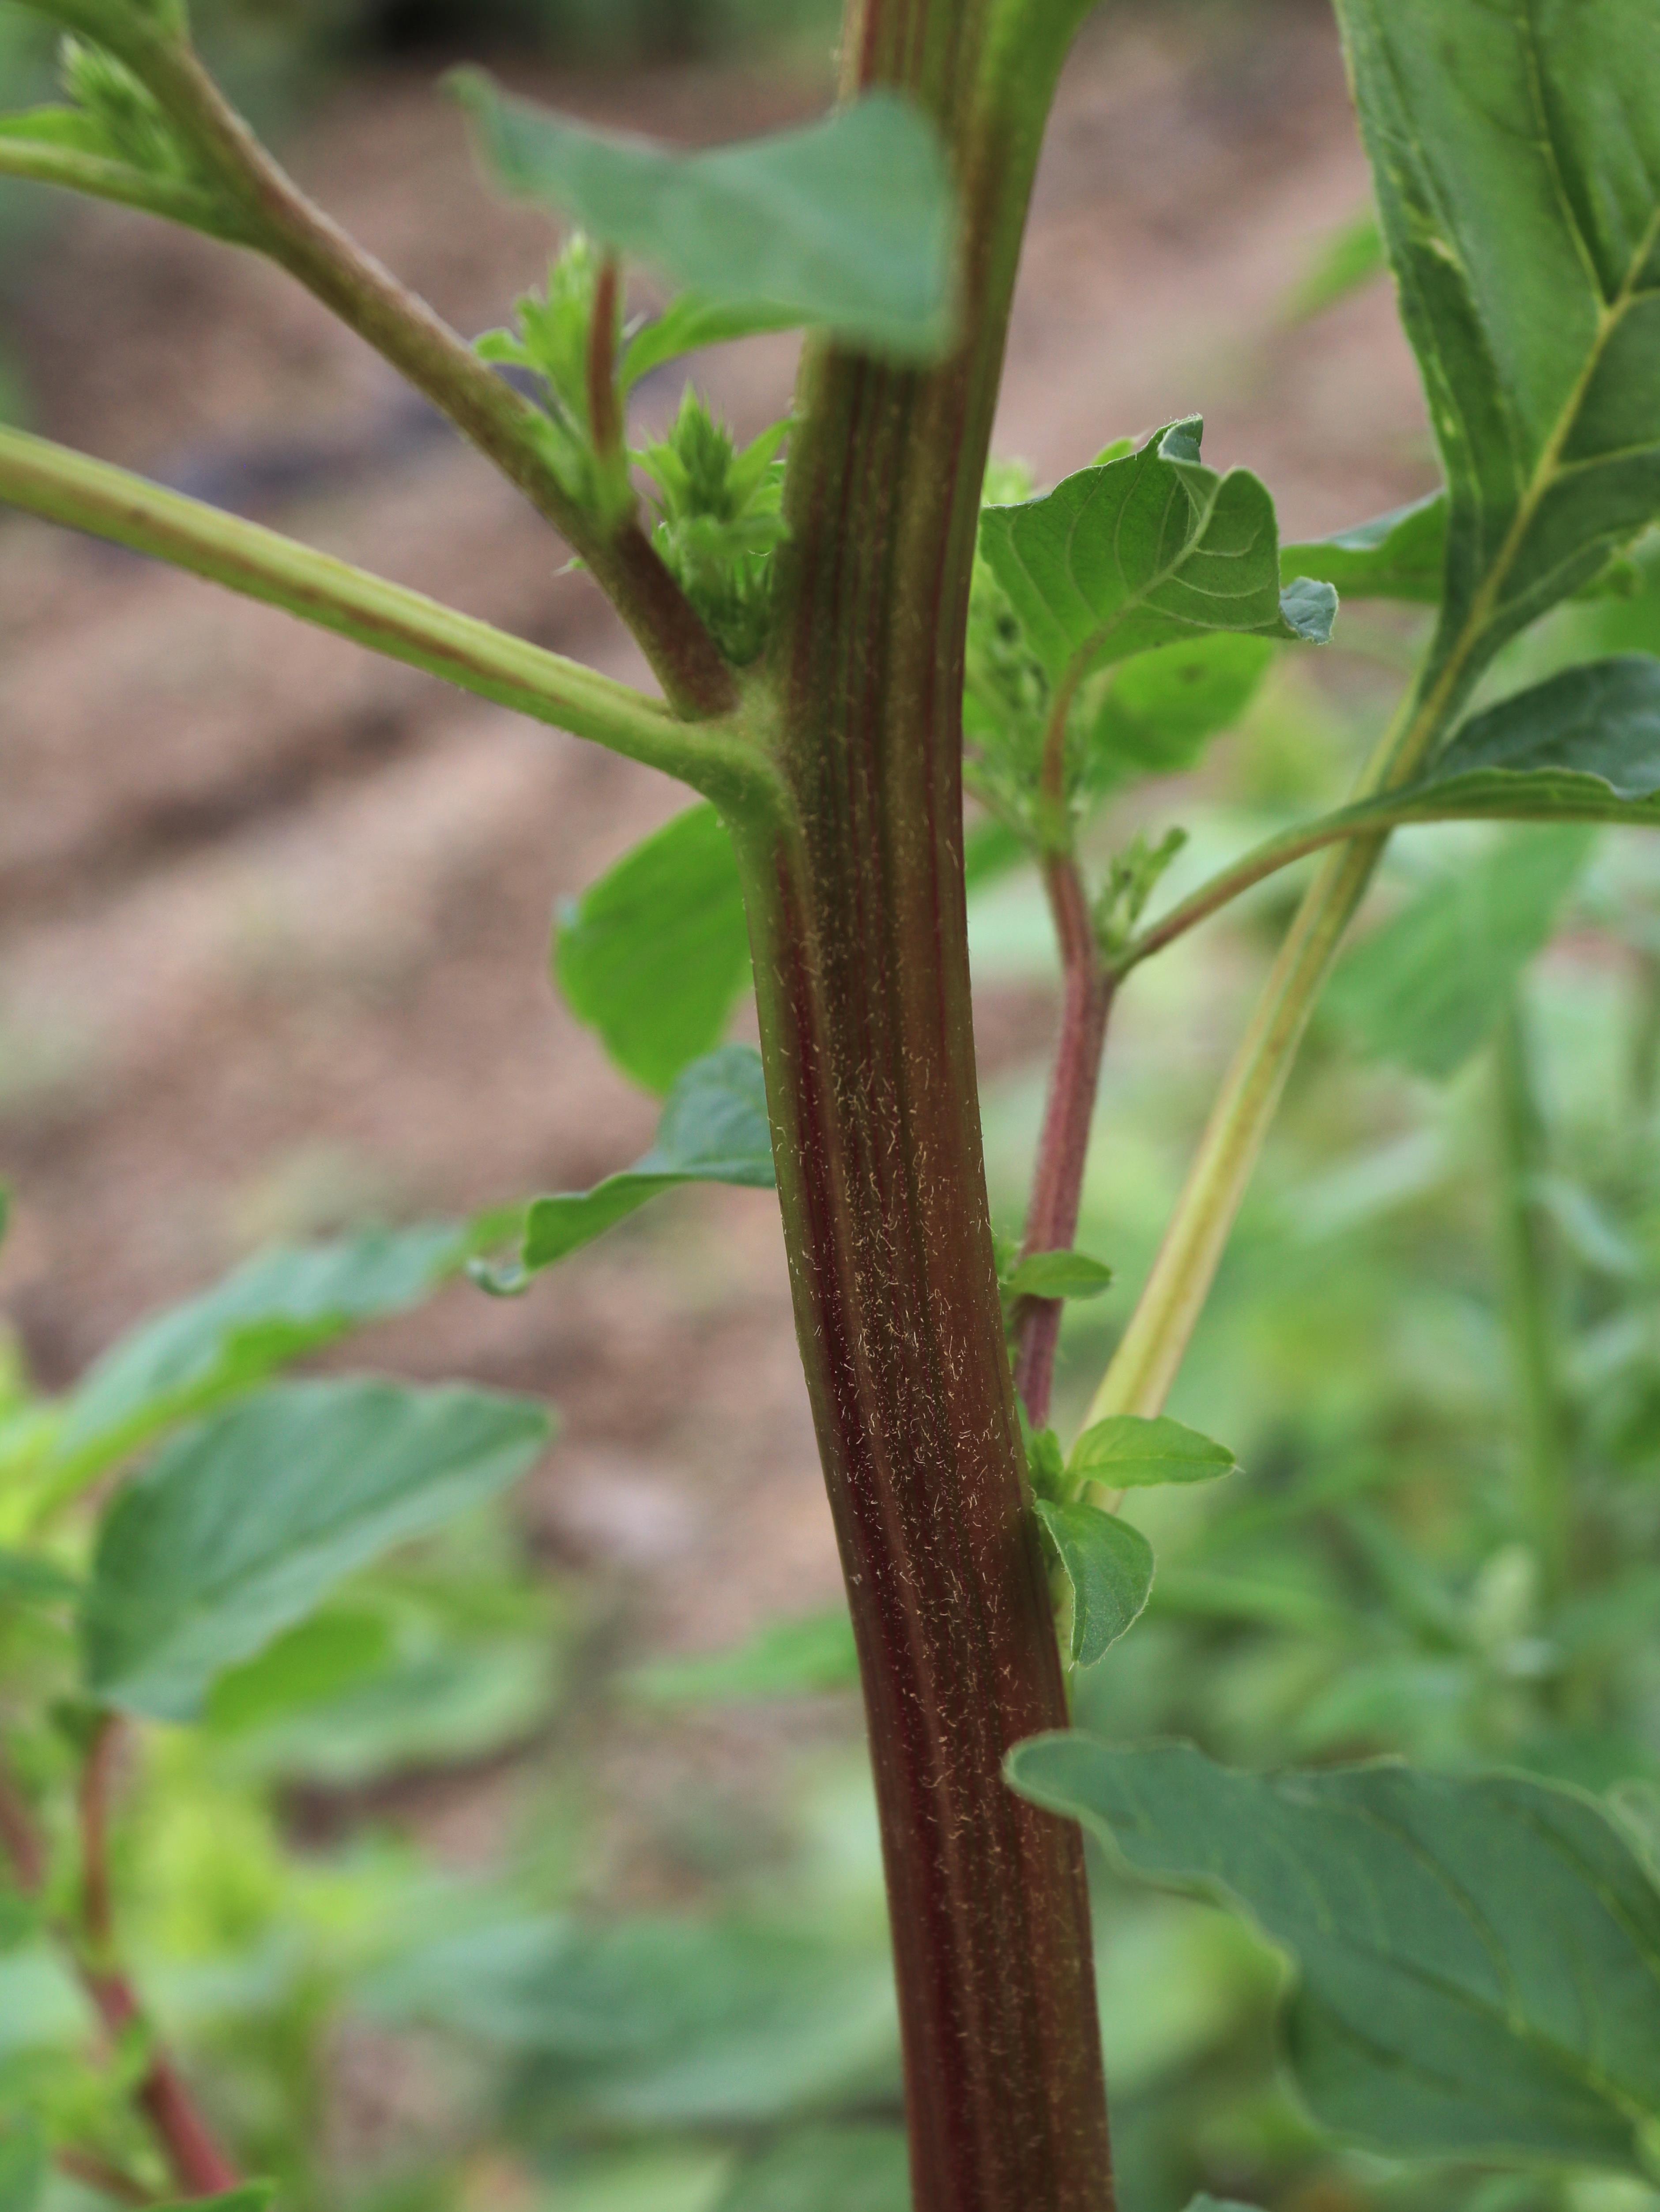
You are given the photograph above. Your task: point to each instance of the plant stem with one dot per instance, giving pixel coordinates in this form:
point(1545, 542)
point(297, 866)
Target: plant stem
point(1529, 1302)
point(858, 918)
point(48, 480)
point(1088, 986)
point(273, 216)
point(199, 2167)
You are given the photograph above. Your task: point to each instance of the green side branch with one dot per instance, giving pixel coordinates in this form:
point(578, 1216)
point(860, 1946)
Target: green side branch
point(49, 480)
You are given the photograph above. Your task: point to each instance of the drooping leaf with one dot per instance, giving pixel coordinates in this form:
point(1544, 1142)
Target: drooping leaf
point(1515, 154)
point(1480, 1957)
point(1058, 1275)
point(1399, 555)
point(1151, 550)
point(281, 1305)
point(1426, 989)
point(714, 1129)
point(849, 222)
point(1127, 1452)
point(656, 954)
point(786, 1658)
point(690, 323)
point(657, 2022)
point(1162, 708)
point(243, 1522)
point(1110, 1566)
point(826, 2169)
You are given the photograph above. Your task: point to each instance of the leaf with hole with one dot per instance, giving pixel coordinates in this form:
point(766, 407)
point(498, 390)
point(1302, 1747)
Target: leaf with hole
point(1427, 988)
point(714, 1129)
point(1162, 708)
point(1479, 1956)
point(1516, 156)
point(655, 957)
point(849, 222)
point(1128, 1452)
point(1109, 1564)
point(242, 1523)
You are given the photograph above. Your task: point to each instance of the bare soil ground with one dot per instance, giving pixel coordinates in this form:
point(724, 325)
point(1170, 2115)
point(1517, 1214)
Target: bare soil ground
point(273, 915)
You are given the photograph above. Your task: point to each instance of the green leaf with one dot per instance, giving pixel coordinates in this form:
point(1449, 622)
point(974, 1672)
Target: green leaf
point(656, 954)
point(784, 1659)
point(1162, 708)
point(714, 1129)
point(660, 2022)
point(1585, 746)
point(1479, 1958)
point(1427, 988)
point(281, 1305)
point(1126, 1452)
point(24, 2164)
point(688, 324)
point(849, 222)
point(1110, 1566)
point(251, 2196)
point(1349, 260)
point(1151, 550)
point(826, 2169)
point(26, 1578)
point(1515, 154)
point(1399, 555)
point(241, 1524)
point(1058, 1275)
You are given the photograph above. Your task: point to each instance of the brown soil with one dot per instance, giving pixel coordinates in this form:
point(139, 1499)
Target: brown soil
point(273, 915)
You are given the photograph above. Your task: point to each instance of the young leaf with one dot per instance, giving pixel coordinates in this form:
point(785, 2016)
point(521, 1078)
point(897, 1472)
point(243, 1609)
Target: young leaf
point(1110, 1566)
point(1516, 153)
point(241, 1524)
point(1126, 1452)
point(826, 2169)
point(786, 1658)
point(1427, 988)
point(656, 954)
point(1479, 1958)
point(1058, 1275)
point(279, 1306)
point(690, 323)
point(849, 223)
point(714, 1129)
point(1151, 550)
point(1399, 555)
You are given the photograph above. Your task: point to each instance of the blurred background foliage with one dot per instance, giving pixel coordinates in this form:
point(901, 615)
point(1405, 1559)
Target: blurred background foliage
point(1435, 1347)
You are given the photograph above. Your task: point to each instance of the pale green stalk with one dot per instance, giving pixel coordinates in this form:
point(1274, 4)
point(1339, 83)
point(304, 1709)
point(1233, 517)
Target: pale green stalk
point(61, 486)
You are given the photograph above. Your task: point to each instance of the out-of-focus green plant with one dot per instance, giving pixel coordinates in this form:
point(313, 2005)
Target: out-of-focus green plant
point(1440, 1551)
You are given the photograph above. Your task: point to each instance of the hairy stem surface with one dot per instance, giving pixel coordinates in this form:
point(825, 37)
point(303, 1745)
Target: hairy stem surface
point(859, 922)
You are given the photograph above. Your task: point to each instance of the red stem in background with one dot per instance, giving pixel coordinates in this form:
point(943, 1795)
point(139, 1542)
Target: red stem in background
point(1057, 1189)
point(98, 2173)
point(199, 2167)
